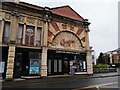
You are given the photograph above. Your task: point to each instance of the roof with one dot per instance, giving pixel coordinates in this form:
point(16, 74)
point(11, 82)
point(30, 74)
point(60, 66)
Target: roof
point(30, 5)
point(67, 11)
point(116, 50)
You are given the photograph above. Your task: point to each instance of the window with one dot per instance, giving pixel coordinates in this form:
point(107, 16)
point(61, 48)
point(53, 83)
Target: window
point(79, 63)
point(81, 66)
point(6, 32)
point(34, 63)
point(38, 36)
point(20, 33)
point(29, 35)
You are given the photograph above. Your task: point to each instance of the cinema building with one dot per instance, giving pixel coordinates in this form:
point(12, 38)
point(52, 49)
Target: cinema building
point(43, 41)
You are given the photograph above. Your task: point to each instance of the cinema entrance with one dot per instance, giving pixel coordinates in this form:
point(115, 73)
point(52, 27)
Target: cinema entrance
point(61, 62)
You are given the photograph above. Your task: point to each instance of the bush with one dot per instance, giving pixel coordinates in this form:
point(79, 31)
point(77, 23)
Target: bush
point(100, 66)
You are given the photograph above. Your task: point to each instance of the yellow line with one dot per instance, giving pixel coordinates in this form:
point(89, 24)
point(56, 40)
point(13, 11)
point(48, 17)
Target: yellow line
point(95, 86)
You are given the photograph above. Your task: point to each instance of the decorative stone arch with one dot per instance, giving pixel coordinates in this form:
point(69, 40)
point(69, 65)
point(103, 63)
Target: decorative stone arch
point(67, 39)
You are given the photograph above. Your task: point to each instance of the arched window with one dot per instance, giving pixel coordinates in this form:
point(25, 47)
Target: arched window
point(29, 39)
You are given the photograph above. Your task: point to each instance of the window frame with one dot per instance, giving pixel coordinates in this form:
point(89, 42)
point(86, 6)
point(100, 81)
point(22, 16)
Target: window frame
point(29, 37)
point(38, 28)
point(3, 37)
point(21, 39)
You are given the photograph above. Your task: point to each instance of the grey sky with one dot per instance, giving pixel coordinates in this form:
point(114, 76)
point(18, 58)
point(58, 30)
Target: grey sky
point(102, 14)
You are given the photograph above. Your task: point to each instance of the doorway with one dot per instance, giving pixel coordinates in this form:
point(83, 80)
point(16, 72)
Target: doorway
point(21, 64)
point(55, 63)
point(58, 63)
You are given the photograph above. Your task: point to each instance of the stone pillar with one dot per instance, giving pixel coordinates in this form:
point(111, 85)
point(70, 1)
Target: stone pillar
point(44, 42)
point(10, 62)
point(88, 56)
point(35, 35)
point(89, 63)
point(24, 33)
point(44, 62)
point(14, 26)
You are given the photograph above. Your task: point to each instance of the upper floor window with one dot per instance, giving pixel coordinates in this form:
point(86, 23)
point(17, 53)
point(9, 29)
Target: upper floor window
point(29, 39)
point(20, 34)
point(6, 32)
point(38, 36)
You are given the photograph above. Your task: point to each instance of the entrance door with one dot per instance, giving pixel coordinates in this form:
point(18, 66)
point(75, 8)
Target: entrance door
point(66, 66)
point(66, 63)
point(54, 67)
point(17, 65)
point(58, 63)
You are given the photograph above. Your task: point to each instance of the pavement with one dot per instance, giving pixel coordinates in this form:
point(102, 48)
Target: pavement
point(99, 75)
point(105, 75)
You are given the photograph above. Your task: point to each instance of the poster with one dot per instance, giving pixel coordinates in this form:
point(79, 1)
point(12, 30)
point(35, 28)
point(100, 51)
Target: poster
point(34, 66)
point(2, 65)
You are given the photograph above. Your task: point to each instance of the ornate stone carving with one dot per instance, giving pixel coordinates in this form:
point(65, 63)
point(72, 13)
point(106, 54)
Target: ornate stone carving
point(30, 20)
point(22, 19)
point(71, 28)
point(67, 40)
point(39, 23)
point(8, 16)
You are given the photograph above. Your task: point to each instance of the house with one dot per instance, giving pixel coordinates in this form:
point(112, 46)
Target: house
point(114, 56)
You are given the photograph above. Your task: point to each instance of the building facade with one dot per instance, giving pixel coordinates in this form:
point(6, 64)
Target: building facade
point(114, 56)
point(43, 41)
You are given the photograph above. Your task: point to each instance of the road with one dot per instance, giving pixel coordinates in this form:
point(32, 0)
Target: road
point(67, 83)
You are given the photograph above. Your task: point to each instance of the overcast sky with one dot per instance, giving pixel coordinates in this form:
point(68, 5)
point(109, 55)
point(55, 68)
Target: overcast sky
point(102, 14)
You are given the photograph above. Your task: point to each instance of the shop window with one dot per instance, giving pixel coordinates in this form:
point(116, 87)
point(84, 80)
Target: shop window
point(34, 63)
point(38, 36)
point(81, 66)
point(6, 32)
point(29, 40)
point(79, 63)
point(20, 34)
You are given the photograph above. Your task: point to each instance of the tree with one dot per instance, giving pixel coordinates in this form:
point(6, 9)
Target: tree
point(103, 59)
point(100, 59)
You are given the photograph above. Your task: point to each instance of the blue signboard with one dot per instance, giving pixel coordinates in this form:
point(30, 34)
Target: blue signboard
point(34, 66)
point(2, 66)
point(34, 70)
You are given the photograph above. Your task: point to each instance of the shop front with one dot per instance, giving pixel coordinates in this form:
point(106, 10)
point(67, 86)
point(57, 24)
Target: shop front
point(3, 60)
point(66, 54)
point(27, 62)
point(66, 62)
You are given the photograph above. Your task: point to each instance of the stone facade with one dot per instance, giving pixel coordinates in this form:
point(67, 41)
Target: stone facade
point(56, 33)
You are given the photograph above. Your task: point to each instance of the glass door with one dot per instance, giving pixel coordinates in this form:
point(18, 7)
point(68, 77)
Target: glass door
point(60, 66)
point(66, 67)
point(17, 65)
